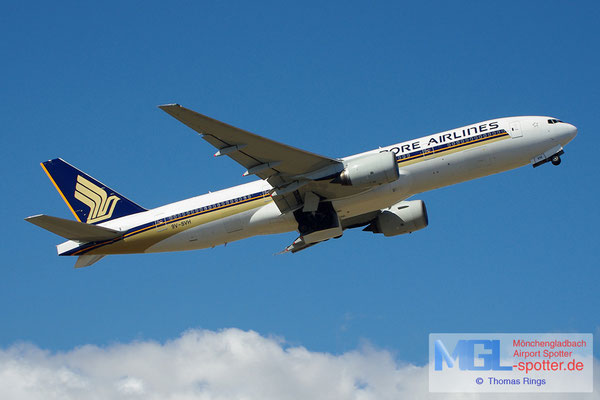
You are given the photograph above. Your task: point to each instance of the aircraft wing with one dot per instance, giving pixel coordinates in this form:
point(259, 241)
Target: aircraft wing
point(292, 172)
point(299, 178)
point(260, 156)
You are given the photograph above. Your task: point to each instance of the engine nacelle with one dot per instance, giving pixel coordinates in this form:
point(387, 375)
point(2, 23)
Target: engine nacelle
point(369, 170)
point(403, 217)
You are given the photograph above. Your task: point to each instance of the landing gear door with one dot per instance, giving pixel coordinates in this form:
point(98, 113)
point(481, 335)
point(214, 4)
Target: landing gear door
point(515, 129)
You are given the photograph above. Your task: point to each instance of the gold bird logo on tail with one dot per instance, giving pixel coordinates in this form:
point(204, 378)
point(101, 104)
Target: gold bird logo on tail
point(101, 206)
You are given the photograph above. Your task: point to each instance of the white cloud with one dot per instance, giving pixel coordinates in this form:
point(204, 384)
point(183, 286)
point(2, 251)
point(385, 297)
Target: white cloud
point(230, 364)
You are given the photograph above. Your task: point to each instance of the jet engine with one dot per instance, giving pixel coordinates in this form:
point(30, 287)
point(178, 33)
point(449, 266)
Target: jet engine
point(403, 217)
point(369, 170)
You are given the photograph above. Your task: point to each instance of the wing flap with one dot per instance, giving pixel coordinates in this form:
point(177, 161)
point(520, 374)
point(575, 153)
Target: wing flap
point(73, 230)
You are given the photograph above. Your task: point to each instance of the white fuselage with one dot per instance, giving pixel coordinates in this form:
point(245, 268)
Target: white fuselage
point(424, 164)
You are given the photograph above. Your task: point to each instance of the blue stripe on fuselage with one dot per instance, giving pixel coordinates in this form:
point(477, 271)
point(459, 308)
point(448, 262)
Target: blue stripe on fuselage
point(171, 219)
point(466, 141)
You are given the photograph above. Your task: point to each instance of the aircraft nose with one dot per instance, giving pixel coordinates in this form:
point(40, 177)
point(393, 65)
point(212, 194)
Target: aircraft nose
point(571, 131)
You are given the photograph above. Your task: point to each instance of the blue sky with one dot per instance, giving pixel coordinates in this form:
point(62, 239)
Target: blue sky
point(515, 252)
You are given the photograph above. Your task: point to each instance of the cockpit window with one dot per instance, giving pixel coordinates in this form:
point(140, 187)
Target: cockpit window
point(554, 121)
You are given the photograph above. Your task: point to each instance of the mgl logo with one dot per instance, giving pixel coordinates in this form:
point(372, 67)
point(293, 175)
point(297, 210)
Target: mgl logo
point(465, 352)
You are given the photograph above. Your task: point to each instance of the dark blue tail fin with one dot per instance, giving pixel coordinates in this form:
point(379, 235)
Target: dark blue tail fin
point(89, 200)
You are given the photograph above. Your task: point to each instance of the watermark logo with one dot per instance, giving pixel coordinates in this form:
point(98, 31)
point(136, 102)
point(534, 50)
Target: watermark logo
point(517, 362)
point(467, 353)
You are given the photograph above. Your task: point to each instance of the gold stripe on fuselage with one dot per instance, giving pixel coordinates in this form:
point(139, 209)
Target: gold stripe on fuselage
point(139, 240)
point(452, 149)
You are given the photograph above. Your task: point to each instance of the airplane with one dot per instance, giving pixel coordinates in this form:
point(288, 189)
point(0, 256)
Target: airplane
point(317, 196)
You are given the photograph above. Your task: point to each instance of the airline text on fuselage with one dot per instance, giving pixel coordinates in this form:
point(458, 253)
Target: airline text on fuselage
point(443, 138)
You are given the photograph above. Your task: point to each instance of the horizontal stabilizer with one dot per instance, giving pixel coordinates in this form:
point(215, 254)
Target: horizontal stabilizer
point(73, 230)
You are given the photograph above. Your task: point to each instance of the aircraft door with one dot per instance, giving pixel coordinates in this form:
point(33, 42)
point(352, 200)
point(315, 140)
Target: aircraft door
point(515, 129)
